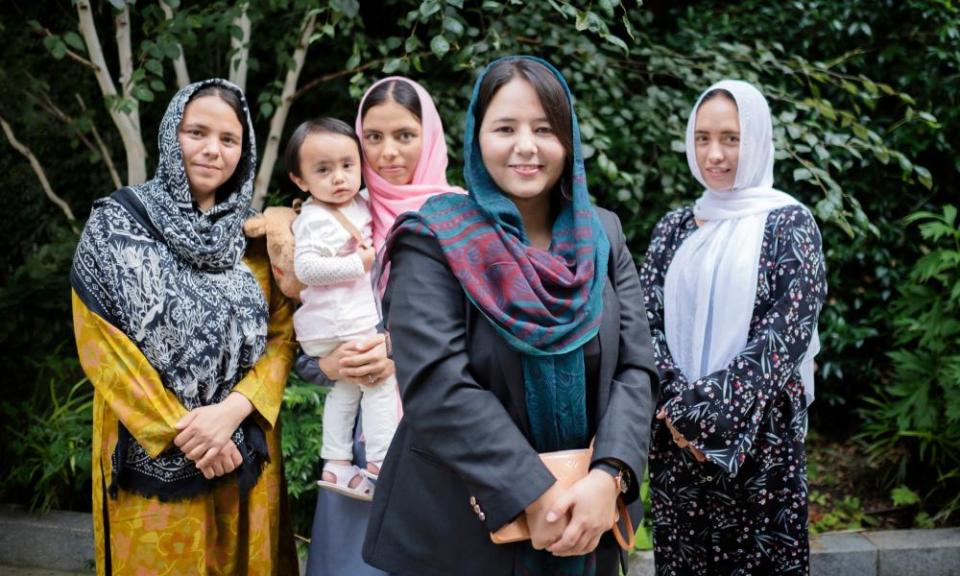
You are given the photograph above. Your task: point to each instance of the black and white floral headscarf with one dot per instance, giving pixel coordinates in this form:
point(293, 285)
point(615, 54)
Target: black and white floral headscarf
point(171, 278)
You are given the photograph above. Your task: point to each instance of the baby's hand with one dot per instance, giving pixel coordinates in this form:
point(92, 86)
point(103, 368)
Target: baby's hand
point(367, 256)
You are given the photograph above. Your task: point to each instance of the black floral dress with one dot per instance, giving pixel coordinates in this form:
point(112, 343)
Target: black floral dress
point(743, 511)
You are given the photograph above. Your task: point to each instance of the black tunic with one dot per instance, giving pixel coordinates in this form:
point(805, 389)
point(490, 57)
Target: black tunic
point(743, 511)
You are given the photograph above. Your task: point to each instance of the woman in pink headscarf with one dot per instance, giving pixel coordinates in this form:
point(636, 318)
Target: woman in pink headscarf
point(405, 163)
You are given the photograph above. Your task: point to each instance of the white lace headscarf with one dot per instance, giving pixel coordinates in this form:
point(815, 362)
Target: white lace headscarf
point(711, 285)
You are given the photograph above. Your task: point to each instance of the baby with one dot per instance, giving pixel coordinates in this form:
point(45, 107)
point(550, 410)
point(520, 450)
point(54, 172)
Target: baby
point(333, 258)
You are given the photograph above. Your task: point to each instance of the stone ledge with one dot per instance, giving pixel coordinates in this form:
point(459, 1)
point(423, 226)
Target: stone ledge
point(933, 552)
point(64, 541)
point(54, 540)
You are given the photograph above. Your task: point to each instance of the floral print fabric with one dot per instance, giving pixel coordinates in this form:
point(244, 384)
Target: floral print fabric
point(743, 511)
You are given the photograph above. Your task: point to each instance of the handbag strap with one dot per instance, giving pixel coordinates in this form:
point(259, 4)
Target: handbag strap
point(628, 542)
point(346, 223)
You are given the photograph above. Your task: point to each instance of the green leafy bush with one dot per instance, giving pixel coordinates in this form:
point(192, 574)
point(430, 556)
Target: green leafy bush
point(915, 417)
point(49, 448)
point(302, 436)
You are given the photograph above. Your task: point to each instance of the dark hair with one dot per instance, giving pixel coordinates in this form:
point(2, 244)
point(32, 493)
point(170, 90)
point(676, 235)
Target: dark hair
point(717, 92)
point(403, 93)
point(291, 156)
point(225, 94)
point(552, 97)
point(233, 100)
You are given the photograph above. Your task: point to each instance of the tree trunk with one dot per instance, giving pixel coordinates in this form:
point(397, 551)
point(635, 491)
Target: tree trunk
point(179, 63)
point(128, 128)
point(122, 25)
point(269, 157)
point(241, 47)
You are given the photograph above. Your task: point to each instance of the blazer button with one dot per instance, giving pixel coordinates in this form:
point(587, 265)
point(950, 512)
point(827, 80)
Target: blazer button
point(476, 509)
point(473, 501)
point(482, 516)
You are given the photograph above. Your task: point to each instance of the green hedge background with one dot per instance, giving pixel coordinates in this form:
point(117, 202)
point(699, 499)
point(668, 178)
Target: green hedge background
point(864, 94)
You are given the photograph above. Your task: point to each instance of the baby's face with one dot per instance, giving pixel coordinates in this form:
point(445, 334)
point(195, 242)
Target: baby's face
point(329, 168)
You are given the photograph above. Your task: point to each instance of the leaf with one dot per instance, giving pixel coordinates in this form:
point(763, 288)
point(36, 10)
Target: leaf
point(154, 66)
point(353, 61)
point(453, 26)
point(617, 42)
point(74, 40)
point(392, 66)
point(56, 46)
point(582, 20)
point(141, 92)
point(903, 496)
point(171, 50)
point(429, 8)
point(628, 27)
point(439, 46)
point(157, 86)
point(607, 6)
point(801, 174)
point(349, 8)
point(118, 4)
point(410, 45)
point(266, 109)
point(924, 176)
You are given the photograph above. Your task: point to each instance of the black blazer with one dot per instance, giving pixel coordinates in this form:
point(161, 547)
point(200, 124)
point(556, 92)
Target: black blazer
point(464, 432)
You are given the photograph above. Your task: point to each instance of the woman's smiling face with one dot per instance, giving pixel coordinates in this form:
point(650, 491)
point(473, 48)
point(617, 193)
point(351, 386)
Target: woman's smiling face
point(717, 142)
point(520, 148)
point(211, 138)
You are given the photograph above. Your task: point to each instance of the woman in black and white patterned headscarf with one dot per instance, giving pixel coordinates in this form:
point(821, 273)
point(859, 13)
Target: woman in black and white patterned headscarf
point(188, 346)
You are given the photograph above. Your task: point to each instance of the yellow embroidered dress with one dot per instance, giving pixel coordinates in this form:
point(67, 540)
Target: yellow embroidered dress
point(211, 534)
point(173, 311)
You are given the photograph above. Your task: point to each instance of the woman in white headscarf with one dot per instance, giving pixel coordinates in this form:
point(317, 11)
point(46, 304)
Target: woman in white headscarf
point(733, 287)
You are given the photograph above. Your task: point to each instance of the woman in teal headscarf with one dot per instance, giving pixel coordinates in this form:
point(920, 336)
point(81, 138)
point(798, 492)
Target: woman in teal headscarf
point(518, 327)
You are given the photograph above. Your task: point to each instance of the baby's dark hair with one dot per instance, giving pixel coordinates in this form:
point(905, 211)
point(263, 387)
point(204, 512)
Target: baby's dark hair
point(291, 157)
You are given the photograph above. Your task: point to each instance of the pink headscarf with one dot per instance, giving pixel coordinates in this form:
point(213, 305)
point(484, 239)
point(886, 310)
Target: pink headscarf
point(430, 178)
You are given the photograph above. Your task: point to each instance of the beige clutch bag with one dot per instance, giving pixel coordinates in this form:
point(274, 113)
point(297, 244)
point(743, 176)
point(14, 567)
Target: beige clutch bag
point(567, 466)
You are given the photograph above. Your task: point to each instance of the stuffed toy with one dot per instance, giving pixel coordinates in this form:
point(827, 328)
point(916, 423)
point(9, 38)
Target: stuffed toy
point(276, 224)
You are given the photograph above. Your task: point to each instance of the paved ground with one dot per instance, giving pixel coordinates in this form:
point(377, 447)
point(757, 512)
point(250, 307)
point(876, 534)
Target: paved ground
point(13, 571)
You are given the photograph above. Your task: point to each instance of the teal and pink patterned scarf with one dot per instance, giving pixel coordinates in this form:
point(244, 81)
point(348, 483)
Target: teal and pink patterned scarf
point(545, 303)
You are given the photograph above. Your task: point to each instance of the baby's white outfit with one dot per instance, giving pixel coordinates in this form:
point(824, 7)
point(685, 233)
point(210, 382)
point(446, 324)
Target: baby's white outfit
point(339, 306)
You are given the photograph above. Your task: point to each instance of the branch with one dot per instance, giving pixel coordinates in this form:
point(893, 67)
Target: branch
point(129, 131)
point(241, 48)
point(73, 55)
point(41, 175)
point(280, 116)
point(179, 63)
point(348, 72)
point(104, 152)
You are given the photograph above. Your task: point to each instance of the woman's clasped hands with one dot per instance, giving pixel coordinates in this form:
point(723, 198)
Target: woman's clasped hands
point(206, 433)
point(570, 522)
